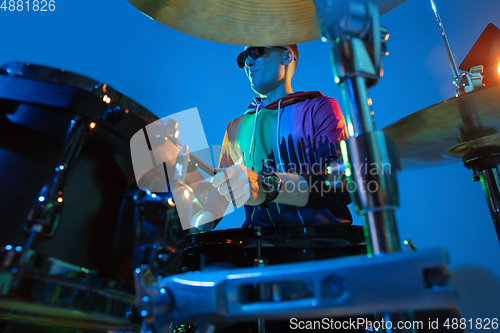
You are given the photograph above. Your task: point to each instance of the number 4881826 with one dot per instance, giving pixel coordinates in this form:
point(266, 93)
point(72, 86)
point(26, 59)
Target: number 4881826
point(29, 5)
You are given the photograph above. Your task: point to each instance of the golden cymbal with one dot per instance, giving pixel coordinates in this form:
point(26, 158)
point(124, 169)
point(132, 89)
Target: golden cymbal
point(434, 136)
point(240, 22)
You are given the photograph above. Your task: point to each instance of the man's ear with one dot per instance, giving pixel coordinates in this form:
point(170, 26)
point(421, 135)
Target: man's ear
point(287, 57)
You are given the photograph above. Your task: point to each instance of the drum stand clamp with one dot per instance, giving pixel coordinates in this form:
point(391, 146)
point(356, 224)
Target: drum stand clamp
point(328, 288)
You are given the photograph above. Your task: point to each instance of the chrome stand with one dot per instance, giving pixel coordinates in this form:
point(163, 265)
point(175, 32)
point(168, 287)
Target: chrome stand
point(484, 165)
point(358, 46)
point(491, 187)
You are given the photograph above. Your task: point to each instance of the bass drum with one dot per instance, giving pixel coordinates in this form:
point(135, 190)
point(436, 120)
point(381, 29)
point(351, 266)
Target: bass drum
point(37, 107)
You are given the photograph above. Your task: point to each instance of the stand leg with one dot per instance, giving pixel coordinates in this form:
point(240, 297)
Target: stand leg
point(490, 180)
point(383, 232)
point(262, 325)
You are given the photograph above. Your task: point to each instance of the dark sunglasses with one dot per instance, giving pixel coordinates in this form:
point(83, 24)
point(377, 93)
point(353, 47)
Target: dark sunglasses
point(254, 53)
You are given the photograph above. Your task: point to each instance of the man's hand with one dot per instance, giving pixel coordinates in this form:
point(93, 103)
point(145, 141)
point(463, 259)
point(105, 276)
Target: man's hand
point(240, 185)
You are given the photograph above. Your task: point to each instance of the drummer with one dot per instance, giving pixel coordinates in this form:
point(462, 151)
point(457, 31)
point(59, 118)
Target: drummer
point(275, 157)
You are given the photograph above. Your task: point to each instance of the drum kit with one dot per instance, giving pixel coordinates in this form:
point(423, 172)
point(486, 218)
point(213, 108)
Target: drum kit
point(82, 247)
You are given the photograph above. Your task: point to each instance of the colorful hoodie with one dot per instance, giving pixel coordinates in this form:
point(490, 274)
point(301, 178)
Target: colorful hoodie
point(296, 134)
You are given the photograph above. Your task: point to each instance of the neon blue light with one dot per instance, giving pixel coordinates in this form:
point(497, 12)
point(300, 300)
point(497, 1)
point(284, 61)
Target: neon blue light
point(163, 291)
point(194, 283)
point(8, 247)
point(153, 195)
point(13, 270)
point(144, 313)
point(41, 198)
point(18, 248)
point(137, 270)
point(145, 299)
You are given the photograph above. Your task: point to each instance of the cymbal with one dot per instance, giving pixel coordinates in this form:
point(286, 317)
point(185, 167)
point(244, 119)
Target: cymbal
point(244, 22)
point(433, 136)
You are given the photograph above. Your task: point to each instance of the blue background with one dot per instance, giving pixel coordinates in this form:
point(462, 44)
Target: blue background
point(168, 71)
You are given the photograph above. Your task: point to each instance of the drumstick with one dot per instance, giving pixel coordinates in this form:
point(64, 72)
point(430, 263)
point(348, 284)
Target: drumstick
point(208, 169)
point(202, 165)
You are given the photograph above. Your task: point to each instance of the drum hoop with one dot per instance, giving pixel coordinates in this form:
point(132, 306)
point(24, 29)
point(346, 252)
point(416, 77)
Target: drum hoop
point(234, 239)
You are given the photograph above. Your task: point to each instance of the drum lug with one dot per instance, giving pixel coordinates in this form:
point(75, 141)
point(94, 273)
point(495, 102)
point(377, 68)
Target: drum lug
point(259, 262)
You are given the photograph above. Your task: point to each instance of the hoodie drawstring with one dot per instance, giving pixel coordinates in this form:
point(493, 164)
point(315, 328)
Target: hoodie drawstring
point(250, 152)
point(278, 146)
point(280, 161)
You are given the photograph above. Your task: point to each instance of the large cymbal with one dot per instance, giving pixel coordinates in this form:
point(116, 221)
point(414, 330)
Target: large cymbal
point(430, 137)
point(244, 22)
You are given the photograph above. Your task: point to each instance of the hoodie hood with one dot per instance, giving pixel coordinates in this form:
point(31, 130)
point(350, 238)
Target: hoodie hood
point(285, 101)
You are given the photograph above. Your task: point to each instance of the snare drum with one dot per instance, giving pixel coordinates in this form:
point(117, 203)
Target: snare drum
point(277, 245)
point(37, 107)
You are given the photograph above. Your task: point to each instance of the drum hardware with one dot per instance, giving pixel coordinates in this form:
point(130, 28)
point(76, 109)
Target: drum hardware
point(466, 127)
point(358, 47)
point(50, 291)
point(45, 214)
point(476, 76)
point(484, 162)
point(259, 261)
point(233, 248)
point(159, 237)
point(461, 81)
point(416, 280)
point(484, 165)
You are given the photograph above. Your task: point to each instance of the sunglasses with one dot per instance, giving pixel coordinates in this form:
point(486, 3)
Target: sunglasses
point(254, 53)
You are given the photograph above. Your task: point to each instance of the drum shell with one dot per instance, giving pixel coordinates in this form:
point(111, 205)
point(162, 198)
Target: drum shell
point(31, 143)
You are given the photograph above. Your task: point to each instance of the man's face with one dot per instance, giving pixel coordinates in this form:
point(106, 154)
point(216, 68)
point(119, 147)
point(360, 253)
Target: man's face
point(267, 72)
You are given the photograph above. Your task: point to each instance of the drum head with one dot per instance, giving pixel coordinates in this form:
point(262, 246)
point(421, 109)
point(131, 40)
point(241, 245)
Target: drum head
point(282, 244)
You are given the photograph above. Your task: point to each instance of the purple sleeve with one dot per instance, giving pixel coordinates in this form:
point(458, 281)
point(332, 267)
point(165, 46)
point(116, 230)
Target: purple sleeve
point(329, 129)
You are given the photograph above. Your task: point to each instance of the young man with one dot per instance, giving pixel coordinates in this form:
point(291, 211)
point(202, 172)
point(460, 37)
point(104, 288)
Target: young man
point(274, 158)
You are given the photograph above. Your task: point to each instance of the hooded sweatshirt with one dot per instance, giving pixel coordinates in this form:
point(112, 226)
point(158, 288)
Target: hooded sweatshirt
point(296, 134)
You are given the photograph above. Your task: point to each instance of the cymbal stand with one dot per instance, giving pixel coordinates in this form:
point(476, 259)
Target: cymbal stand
point(483, 162)
point(358, 46)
